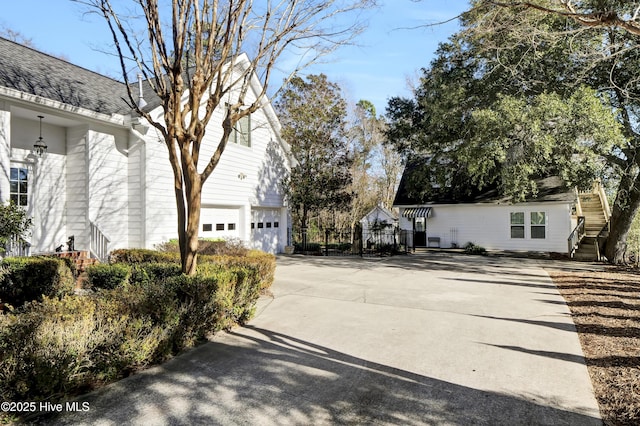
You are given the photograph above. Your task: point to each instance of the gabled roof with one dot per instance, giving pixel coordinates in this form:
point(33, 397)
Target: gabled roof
point(550, 189)
point(378, 210)
point(40, 74)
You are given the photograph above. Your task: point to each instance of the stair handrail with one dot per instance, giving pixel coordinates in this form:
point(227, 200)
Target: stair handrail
point(99, 243)
point(604, 201)
point(576, 236)
point(601, 239)
point(578, 204)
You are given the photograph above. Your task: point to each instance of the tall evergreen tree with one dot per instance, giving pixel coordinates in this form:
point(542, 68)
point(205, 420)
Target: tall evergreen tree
point(518, 94)
point(313, 117)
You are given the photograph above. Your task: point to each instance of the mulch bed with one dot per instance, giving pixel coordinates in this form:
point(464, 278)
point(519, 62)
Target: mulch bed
point(606, 311)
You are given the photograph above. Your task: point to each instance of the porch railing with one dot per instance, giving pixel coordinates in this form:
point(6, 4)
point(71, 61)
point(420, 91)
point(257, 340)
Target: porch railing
point(576, 236)
point(15, 247)
point(99, 243)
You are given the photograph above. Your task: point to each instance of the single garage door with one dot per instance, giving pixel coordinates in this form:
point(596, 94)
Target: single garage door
point(265, 229)
point(219, 222)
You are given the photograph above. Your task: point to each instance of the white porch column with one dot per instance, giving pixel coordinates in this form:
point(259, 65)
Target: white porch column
point(5, 151)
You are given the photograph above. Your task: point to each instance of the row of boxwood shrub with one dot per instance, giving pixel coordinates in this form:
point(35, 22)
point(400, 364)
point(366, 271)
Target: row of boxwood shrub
point(264, 263)
point(141, 313)
point(23, 279)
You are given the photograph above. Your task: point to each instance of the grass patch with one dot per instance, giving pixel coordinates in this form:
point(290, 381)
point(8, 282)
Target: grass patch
point(605, 307)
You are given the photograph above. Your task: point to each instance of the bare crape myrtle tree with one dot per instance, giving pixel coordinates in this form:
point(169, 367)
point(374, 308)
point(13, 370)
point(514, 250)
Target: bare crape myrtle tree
point(191, 53)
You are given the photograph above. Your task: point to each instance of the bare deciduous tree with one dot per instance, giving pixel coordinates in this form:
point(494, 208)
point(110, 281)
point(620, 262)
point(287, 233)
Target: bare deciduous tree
point(190, 50)
point(620, 14)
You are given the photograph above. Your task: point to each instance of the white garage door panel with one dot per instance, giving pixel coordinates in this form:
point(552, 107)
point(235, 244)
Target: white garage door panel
point(265, 229)
point(219, 222)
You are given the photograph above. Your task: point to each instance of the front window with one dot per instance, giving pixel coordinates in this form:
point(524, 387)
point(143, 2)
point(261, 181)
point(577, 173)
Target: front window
point(538, 225)
point(517, 225)
point(19, 181)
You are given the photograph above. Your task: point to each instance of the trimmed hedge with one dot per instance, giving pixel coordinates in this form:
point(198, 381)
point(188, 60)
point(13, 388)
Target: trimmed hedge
point(107, 276)
point(30, 278)
point(132, 256)
point(61, 347)
point(263, 263)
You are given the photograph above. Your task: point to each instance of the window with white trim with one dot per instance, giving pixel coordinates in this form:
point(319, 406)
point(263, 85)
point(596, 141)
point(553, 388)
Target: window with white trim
point(538, 225)
point(517, 224)
point(19, 186)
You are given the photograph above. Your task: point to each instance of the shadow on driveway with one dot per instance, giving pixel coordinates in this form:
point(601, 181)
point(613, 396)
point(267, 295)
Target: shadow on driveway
point(254, 376)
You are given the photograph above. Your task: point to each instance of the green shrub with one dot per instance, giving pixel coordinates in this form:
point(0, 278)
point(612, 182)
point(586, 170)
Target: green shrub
point(160, 271)
point(29, 278)
point(209, 246)
point(132, 256)
point(310, 248)
point(263, 263)
point(472, 248)
point(15, 223)
point(61, 347)
point(108, 276)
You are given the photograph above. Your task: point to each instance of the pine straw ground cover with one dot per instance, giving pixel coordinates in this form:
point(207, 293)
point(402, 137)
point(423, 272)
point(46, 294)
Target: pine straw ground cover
point(606, 311)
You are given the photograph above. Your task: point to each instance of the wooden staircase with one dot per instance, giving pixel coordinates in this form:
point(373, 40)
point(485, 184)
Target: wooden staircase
point(593, 206)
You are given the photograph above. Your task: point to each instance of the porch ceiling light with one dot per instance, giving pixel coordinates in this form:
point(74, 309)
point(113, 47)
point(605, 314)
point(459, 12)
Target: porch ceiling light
point(40, 147)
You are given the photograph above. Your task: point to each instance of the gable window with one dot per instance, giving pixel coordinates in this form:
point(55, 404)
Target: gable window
point(517, 225)
point(19, 186)
point(242, 132)
point(538, 225)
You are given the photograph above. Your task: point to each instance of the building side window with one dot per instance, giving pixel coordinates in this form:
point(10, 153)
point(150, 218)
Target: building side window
point(517, 225)
point(231, 226)
point(242, 131)
point(19, 191)
point(538, 225)
point(207, 227)
point(219, 226)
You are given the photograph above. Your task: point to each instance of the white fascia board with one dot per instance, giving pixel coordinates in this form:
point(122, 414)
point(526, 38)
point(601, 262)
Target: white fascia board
point(27, 99)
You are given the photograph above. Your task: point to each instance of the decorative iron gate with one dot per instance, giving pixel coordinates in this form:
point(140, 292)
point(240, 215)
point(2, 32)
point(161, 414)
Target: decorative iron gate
point(350, 242)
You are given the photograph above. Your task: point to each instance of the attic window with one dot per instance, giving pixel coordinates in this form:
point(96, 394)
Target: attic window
point(242, 132)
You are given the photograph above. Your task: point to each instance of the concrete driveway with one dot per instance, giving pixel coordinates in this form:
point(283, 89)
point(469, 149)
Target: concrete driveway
point(430, 339)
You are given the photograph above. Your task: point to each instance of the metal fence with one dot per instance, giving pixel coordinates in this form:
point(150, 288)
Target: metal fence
point(350, 242)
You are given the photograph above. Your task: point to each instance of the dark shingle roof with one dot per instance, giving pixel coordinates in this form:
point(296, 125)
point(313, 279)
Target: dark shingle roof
point(37, 73)
point(549, 189)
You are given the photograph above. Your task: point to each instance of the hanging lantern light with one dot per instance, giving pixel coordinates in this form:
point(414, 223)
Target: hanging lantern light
point(40, 147)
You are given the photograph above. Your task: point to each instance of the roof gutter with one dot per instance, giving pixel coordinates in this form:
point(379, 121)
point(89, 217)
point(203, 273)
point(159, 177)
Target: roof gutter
point(27, 99)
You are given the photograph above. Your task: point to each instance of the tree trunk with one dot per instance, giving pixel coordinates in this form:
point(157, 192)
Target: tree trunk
point(624, 211)
point(189, 205)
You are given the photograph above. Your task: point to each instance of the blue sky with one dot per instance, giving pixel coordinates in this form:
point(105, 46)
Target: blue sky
point(387, 55)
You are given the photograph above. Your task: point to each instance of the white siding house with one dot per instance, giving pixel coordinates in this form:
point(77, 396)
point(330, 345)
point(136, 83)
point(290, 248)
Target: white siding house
point(540, 224)
point(106, 174)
